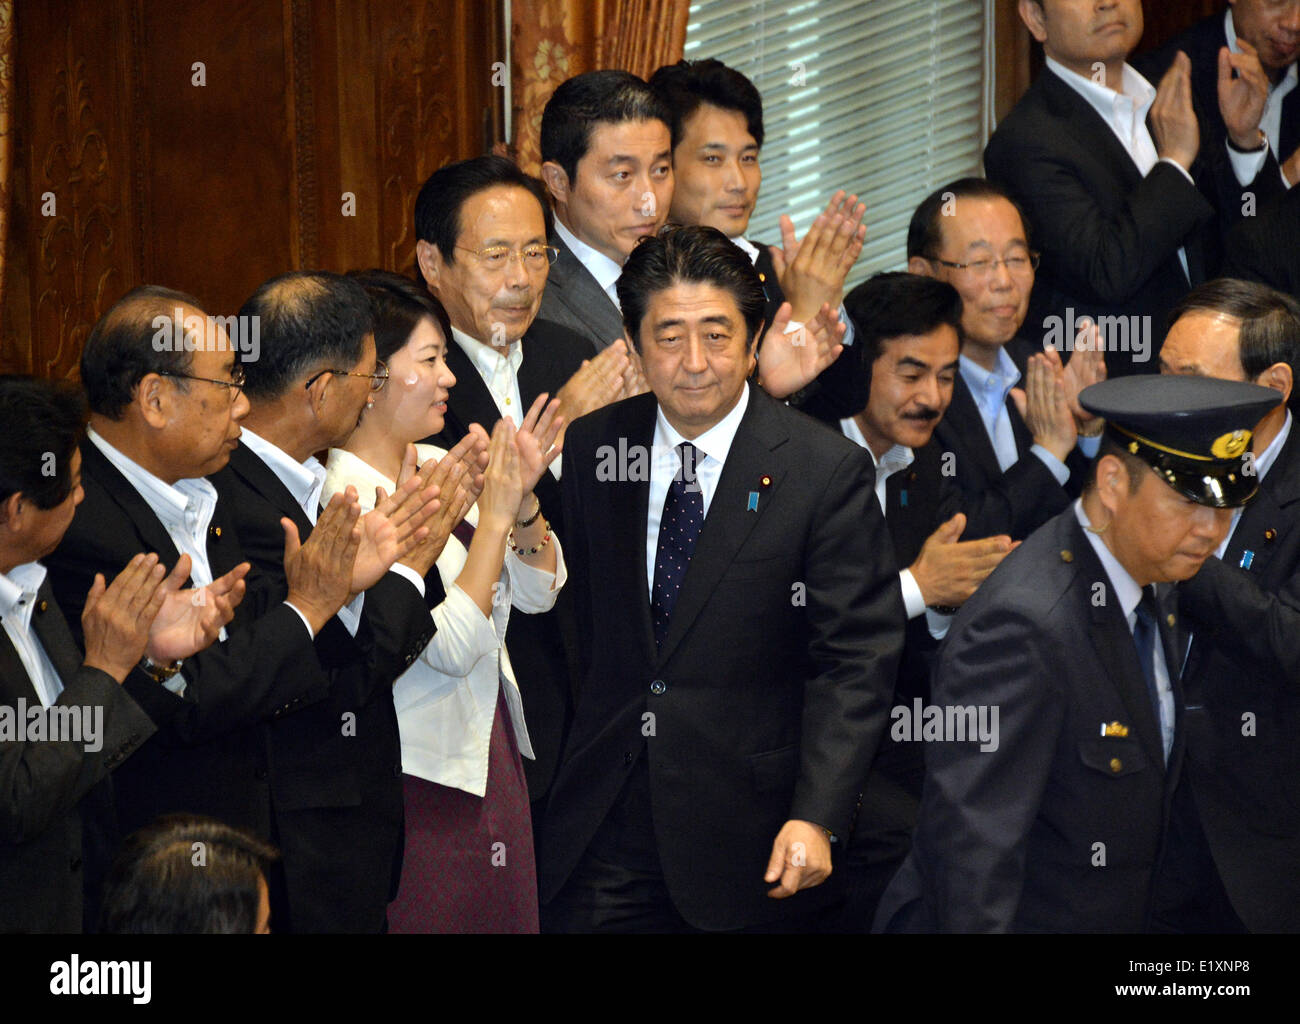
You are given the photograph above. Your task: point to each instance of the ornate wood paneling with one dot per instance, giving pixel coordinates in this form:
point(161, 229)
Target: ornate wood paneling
point(214, 187)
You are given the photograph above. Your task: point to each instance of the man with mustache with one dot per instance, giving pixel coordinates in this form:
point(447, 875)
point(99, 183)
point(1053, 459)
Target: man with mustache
point(1235, 837)
point(1055, 821)
point(1121, 190)
point(908, 343)
point(1018, 453)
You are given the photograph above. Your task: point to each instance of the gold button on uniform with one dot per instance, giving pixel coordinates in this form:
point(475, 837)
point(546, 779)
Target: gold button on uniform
point(1116, 764)
point(1171, 620)
point(1067, 556)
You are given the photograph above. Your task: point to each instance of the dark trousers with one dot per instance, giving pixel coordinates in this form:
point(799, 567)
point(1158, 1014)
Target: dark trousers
point(1188, 894)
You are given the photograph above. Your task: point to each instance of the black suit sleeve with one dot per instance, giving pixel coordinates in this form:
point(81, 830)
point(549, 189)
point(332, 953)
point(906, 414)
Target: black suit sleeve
point(42, 779)
point(978, 805)
point(1104, 255)
point(855, 609)
point(1261, 626)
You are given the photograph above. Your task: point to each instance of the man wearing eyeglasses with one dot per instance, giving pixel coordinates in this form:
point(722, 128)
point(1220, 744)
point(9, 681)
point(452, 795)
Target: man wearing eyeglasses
point(1017, 438)
point(163, 417)
point(335, 767)
point(481, 227)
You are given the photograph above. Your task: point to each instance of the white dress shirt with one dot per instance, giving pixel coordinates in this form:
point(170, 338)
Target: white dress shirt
point(898, 458)
point(1125, 114)
point(18, 589)
point(1128, 592)
point(185, 510)
point(447, 699)
point(1246, 165)
point(666, 463)
point(601, 267)
point(500, 374)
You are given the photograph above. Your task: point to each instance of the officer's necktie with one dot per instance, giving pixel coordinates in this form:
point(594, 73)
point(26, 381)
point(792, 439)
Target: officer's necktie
point(1147, 631)
point(679, 528)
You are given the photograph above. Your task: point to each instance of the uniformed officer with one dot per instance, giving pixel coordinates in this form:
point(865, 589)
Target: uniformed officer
point(1052, 819)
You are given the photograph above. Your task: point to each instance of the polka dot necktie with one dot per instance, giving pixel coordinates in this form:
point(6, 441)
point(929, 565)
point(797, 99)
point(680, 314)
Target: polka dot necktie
point(679, 528)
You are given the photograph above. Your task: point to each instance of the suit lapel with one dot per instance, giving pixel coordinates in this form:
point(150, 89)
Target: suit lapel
point(578, 290)
point(964, 417)
point(52, 630)
point(247, 465)
point(156, 539)
point(1113, 642)
point(1267, 513)
point(629, 508)
point(730, 519)
point(1087, 129)
point(470, 400)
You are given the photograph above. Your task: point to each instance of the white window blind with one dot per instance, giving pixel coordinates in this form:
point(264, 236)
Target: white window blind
point(888, 99)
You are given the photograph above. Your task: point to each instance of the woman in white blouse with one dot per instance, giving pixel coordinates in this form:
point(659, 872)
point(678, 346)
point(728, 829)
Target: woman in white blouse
point(468, 862)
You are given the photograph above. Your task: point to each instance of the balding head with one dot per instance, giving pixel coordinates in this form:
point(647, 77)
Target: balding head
point(136, 337)
point(307, 321)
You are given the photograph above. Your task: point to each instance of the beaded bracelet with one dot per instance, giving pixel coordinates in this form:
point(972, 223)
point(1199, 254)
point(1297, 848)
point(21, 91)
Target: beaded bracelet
point(546, 539)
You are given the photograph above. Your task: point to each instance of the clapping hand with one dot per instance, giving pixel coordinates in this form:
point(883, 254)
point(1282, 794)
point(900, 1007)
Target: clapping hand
point(812, 271)
point(788, 362)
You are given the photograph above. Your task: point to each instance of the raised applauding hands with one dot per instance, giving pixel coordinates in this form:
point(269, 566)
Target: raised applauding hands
point(458, 477)
point(605, 378)
point(1043, 406)
point(812, 271)
point(1242, 99)
point(788, 362)
point(320, 571)
point(1174, 127)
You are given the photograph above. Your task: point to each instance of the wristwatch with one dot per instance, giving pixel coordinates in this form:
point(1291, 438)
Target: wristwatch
point(1263, 143)
point(159, 672)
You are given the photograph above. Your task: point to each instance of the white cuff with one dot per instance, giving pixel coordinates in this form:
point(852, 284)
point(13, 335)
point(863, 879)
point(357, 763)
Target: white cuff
point(1246, 165)
point(406, 572)
point(912, 599)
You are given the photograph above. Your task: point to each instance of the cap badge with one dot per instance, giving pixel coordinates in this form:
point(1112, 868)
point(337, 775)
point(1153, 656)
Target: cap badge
point(1229, 446)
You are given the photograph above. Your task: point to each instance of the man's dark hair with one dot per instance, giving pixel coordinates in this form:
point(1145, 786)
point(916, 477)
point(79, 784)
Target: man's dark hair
point(685, 86)
point(43, 421)
point(129, 343)
point(896, 304)
point(398, 305)
point(448, 189)
point(581, 103)
point(309, 320)
point(925, 232)
point(186, 875)
point(1270, 321)
point(688, 255)
point(1110, 446)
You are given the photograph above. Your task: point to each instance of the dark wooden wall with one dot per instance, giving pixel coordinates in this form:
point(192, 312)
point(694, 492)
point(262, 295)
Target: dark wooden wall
point(214, 188)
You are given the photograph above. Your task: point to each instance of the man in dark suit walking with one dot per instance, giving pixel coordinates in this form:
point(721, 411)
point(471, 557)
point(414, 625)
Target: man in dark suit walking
point(1018, 451)
point(743, 619)
point(1234, 860)
point(1067, 660)
point(1106, 167)
point(65, 720)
